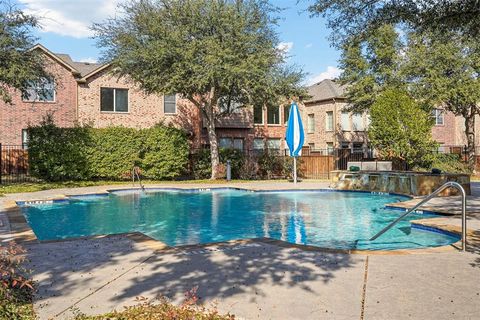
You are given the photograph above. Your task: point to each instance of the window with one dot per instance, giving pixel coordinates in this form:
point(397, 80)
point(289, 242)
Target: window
point(225, 143)
point(286, 113)
point(437, 114)
point(258, 115)
point(113, 100)
point(170, 104)
point(238, 143)
point(273, 144)
point(357, 147)
point(330, 147)
point(345, 145)
point(24, 138)
point(273, 115)
point(42, 90)
point(357, 120)
point(229, 143)
point(311, 123)
point(311, 146)
point(345, 121)
point(329, 121)
point(258, 144)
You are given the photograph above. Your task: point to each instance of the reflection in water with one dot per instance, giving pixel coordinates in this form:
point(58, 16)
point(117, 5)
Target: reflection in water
point(330, 219)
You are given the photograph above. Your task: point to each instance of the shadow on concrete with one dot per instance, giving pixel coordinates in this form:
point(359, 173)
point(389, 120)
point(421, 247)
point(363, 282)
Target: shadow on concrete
point(74, 269)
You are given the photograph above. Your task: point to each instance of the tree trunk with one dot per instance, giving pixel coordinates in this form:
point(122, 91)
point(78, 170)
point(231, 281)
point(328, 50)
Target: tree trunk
point(212, 137)
point(470, 132)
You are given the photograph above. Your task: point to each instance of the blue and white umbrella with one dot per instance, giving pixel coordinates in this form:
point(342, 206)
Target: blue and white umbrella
point(295, 136)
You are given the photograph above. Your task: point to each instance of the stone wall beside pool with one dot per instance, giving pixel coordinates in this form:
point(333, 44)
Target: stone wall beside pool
point(403, 182)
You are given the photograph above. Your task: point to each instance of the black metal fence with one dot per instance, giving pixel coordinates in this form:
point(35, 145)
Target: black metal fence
point(14, 164)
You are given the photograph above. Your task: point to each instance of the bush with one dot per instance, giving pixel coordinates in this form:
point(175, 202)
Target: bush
point(16, 291)
point(270, 164)
point(450, 163)
point(202, 168)
point(57, 154)
point(112, 152)
point(81, 153)
point(165, 152)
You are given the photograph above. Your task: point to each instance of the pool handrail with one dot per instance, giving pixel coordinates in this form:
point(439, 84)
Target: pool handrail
point(450, 184)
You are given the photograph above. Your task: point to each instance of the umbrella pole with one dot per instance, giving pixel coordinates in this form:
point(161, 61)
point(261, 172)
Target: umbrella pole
point(295, 170)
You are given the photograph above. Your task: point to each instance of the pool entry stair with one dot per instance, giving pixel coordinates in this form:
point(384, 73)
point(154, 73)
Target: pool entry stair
point(449, 184)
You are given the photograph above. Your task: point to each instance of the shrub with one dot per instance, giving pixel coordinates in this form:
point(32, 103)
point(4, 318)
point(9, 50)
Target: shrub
point(450, 163)
point(164, 153)
point(81, 153)
point(202, 168)
point(270, 163)
point(112, 152)
point(57, 154)
point(16, 291)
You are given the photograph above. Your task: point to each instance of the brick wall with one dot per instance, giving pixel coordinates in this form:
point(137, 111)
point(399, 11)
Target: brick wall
point(320, 137)
point(18, 115)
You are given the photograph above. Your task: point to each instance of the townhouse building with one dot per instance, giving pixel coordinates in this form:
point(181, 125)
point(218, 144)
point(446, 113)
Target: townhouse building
point(329, 125)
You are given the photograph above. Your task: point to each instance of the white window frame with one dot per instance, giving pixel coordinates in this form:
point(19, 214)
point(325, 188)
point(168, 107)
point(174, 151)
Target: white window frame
point(263, 116)
point(329, 121)
point(311, 123)
point(345, 126)
point(438, 113)
point(358, 117)
point(279, 116)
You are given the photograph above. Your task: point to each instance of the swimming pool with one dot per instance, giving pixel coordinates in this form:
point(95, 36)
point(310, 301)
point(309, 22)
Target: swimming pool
point(341, 220)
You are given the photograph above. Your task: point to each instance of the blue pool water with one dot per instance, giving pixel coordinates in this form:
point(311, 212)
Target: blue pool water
point(341, 220)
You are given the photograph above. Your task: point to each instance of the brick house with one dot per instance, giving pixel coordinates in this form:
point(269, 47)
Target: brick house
point(87, 93)
point(329, 126)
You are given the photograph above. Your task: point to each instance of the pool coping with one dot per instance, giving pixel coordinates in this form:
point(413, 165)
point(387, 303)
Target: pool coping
point(21, 231)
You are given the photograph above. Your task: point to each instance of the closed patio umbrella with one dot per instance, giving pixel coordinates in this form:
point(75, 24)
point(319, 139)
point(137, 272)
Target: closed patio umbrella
point(294, 136)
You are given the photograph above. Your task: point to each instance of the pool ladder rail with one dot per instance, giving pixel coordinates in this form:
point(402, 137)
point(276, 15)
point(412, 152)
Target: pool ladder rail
point(435, 193)
point(136, 174)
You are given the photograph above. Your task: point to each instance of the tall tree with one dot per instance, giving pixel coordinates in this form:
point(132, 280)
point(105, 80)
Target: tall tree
point(370, 66)
point(215, 53)
point(18, 64)
point(401, 129)
point(443, 70)
point(354, 17)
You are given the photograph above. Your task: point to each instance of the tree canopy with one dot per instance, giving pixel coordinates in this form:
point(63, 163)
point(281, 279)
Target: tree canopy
point(215, 53)
point(18, 64)
point(353, 17)
point(401, 129)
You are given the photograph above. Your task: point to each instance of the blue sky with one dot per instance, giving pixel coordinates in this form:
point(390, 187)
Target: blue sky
point(65, 30)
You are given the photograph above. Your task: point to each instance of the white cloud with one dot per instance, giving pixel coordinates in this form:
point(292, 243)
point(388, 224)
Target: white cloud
point(308, 45)
point(331, 73)
point(285, 47)
point(89, 60)
point(70, 18)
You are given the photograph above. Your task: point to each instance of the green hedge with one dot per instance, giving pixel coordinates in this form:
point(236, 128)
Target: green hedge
point(81, 153)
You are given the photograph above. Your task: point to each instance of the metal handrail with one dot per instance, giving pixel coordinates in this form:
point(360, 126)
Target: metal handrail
point(449, 184)
point(135, 172)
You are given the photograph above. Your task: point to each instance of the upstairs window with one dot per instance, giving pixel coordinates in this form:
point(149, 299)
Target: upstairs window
point(311, 123)
point(113, 100)
point(258, 115)
point(329, 121)
point(437, 114)
point(286, 113)
point(345, 121)
point(273, 115)
point(42, 90)
point(357, 120)
point(170, 104)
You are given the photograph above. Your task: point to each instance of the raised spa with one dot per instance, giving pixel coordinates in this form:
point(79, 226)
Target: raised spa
point(340, 220)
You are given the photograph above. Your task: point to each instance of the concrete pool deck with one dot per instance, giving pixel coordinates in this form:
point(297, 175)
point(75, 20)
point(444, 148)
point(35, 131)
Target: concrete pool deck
point(254, 279)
